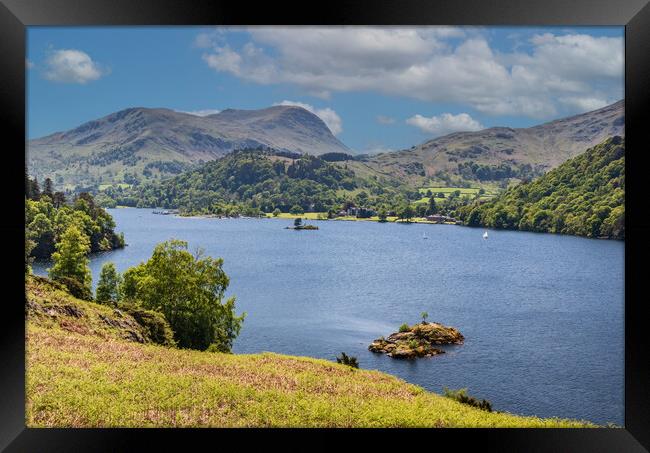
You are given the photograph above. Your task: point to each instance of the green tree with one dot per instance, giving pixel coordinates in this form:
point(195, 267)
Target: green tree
point(407, 213)
point(29, 246)
point(424, 316)
point(70, 258)
point(276, 212)
point(382, 214)
point(189, 290)
point(296, 209)
point(433, 208)
point(108, 285)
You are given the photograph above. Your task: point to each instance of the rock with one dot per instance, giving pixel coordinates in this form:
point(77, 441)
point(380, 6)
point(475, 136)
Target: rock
point(418, 341)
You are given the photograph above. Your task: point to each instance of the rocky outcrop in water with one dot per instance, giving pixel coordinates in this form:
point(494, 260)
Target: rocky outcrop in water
point(417, 341)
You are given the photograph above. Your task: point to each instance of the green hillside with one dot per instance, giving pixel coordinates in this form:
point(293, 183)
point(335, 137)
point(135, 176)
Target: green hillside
point(90, 365)
point(253, 181)
point(584, 196)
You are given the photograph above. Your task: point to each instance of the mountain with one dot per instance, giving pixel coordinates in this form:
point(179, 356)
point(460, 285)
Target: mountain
point(153, 143)
point(584, 196)
point(499, 153)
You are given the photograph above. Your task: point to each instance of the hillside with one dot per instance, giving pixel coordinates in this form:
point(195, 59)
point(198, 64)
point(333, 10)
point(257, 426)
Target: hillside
point(263, 180)
point(584, 196)
point(151, 143)
point(90, 365)
point(498, 153)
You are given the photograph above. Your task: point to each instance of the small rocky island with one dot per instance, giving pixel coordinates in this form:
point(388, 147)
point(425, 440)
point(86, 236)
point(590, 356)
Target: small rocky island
point(417, 341)
point(299, 225)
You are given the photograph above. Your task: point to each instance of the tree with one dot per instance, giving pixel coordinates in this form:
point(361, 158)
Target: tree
point(424, 316)
point(29, 246)
point(35, 191)
point(108, 285)
point(47, 188)
point(70, 259)
point(276, 212)
point(433, 208)
point(296, 209)
point(189, 290)
point(406, 213)
point(382, 215)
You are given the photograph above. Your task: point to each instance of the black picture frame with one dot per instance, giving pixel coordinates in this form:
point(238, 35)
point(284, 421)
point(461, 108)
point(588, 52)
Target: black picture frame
point(16, 15)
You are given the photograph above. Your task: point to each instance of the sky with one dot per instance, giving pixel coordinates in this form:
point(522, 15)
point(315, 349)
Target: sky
point(377, 89)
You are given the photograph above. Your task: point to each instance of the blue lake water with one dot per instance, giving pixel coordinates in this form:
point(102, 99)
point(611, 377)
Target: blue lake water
point(542, 315)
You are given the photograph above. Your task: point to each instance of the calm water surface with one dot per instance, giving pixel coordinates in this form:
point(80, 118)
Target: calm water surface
point(542, 314)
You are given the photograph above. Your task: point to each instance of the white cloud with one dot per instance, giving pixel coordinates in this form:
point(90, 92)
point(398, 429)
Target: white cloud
point(329, 116)
point(445, 123)
point(434, 64)
point(205, 112)
point(71, 66)
point(585, 104)
point(382, 119)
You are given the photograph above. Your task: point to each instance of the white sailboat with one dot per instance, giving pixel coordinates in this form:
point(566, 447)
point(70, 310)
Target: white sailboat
point(424, 236)
point(485, 235)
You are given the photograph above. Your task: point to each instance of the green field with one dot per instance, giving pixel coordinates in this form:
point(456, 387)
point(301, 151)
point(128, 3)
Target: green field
point(82, 371)
point(471, 191)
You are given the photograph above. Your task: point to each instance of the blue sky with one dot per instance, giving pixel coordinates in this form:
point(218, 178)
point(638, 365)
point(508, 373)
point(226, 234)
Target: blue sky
point(377, 88)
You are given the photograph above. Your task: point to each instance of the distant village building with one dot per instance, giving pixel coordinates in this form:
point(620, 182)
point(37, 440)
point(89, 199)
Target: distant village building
point(440, 218)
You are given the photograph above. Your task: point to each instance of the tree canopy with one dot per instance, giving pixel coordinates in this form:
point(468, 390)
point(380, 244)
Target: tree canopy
point(584, 196)
point(189, 290)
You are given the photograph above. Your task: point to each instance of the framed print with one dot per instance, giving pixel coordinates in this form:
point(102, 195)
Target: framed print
point(405, 215)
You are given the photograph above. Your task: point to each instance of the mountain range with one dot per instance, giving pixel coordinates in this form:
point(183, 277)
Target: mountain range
point(154, 143)
point(143, 143)
point(486, 155)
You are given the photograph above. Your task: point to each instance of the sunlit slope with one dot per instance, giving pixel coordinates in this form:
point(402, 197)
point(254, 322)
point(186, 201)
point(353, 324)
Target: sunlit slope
point(86, 368)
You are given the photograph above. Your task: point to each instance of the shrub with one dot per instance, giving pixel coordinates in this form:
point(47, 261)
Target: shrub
point(404, 328)
point(348, 360)
point(74, 287)
point(462, 397)
point(156, 326)
point(413, 344)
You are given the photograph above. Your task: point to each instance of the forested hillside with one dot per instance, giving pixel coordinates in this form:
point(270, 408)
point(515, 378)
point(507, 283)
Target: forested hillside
point(253, 181)
point(48, 214)
point(585, 196)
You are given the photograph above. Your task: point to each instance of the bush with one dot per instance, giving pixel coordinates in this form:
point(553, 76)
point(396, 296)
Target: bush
point(156, 326)
point(348, 360)
point(404, 328)
point(413, 344)
point(74, 287)
point(462, 397)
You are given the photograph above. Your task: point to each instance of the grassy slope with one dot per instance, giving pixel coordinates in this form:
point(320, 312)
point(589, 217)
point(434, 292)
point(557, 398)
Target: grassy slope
point(82, 372)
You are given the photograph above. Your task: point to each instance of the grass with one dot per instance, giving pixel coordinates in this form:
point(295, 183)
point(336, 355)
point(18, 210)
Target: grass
point(93, 377)
point(489, 193)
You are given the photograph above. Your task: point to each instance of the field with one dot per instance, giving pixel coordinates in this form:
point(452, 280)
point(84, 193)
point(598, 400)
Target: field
point(471, 191)
point(83, 371)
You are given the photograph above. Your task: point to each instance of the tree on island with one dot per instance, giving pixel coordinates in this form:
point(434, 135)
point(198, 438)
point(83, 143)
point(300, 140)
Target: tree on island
point(424, 316)
point(108, 285)
point(70, 258)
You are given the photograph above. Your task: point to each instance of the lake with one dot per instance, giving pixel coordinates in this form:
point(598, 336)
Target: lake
point(542, 315)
